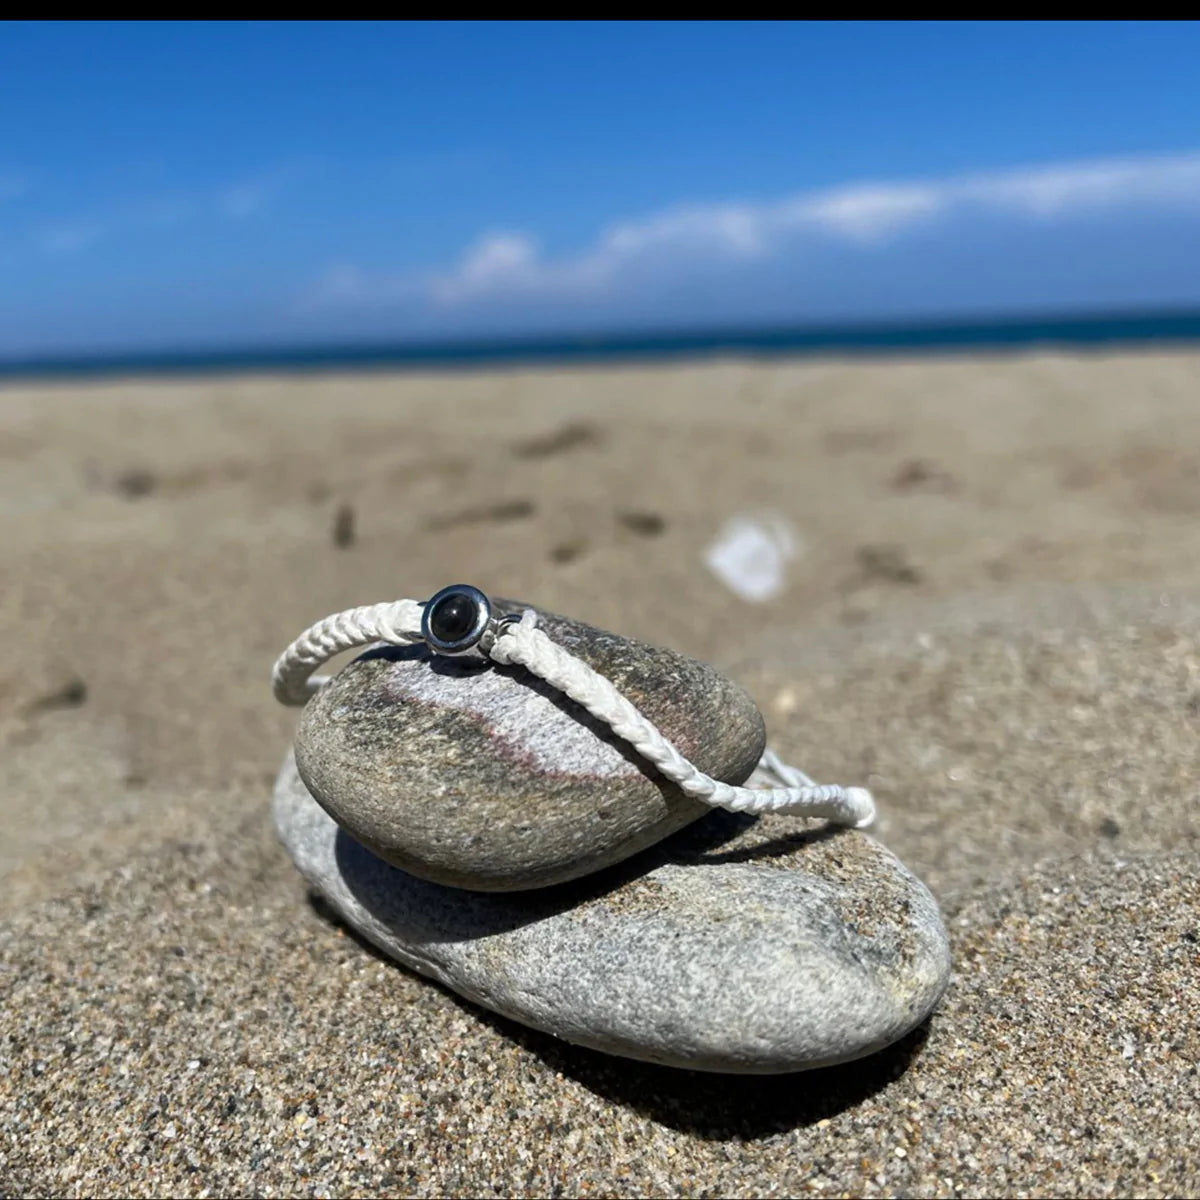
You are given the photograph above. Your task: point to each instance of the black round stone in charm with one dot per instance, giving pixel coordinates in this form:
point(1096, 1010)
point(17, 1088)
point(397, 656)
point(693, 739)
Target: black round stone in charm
point(454, 617)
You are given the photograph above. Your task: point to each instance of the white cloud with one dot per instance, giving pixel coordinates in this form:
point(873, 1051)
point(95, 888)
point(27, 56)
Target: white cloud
point(499, 259)
point(865, 213)
point(160, 213)
point(347, 286)
point(1056, 191)
point(507, 264)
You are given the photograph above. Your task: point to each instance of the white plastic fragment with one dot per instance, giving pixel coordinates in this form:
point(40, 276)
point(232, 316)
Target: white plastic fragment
point(751, 553)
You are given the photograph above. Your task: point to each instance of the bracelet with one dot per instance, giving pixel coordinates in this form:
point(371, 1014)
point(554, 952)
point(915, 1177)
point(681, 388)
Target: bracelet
point(460, 620)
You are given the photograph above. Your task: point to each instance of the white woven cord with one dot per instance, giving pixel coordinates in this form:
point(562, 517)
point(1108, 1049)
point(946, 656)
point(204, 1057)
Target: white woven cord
point(398, 623)
point(523, 644)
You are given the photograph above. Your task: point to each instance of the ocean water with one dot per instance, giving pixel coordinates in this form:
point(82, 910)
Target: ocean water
point(1178, 327)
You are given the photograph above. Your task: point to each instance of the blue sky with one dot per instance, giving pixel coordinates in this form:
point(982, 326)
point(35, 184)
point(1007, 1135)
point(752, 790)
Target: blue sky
point(206, 185)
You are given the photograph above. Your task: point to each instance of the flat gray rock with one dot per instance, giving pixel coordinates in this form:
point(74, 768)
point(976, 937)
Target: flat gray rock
point(739, 945)
point(484, 777)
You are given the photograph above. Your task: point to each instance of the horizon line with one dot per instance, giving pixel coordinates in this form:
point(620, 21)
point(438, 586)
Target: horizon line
point(1010, 331)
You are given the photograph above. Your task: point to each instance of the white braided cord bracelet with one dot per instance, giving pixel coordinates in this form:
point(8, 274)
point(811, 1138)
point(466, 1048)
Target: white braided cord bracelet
point(459, 620)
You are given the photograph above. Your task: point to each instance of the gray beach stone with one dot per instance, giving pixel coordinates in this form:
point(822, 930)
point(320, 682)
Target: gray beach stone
point(484, 777)
point(738, 945)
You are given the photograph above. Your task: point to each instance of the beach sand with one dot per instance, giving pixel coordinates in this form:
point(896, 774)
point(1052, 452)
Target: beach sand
point(993, 619)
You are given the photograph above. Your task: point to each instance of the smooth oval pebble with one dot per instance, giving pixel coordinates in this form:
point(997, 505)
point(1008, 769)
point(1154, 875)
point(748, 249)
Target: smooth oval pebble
point(739, 945)
point(485, 777)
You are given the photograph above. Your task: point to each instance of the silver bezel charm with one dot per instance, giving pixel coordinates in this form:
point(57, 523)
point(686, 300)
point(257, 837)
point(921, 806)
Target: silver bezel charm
point(484, 628)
